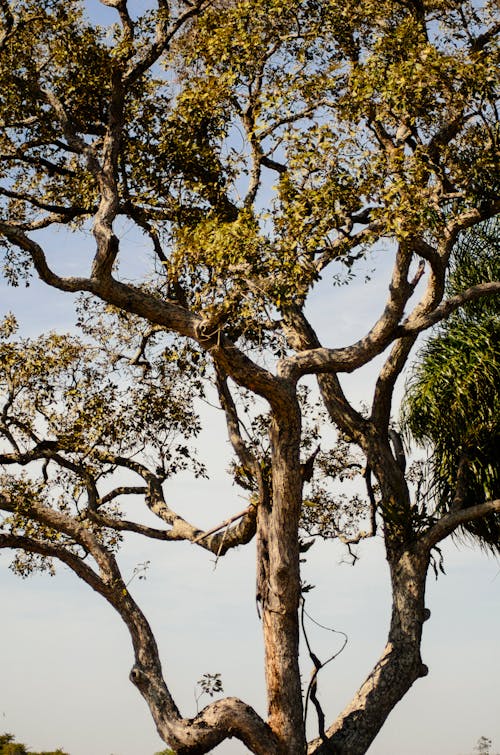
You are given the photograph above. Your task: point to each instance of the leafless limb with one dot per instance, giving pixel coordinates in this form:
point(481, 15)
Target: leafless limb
point(419, 322)
point(449, 522)
point(223, 525)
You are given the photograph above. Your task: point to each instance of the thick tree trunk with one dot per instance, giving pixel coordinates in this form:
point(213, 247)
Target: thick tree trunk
point(279, 584)
point(398, 668)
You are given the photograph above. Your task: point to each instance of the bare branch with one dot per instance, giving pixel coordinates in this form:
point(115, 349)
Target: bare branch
point(181, 529)
point(391, 370)
point(419, 322)
point(139, 357)
point(122, 490)
point(125, 525)
point(454, 519)
point(322, 360)
point(222, 525)
point(241, 449)
point(301, 336)
point(268, 162)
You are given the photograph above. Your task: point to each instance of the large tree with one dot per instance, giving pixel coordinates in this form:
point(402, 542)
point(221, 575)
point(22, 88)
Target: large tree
point(258, 147)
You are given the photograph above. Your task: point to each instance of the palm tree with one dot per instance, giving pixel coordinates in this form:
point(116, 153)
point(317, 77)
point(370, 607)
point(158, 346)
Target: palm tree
point(452, 404)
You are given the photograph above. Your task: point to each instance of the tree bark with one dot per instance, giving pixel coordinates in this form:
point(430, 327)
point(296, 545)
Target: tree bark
point(400, 664)
point(279, 583)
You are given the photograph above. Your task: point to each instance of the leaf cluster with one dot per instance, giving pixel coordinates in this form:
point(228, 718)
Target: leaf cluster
point(70, 418)
point(371, 117)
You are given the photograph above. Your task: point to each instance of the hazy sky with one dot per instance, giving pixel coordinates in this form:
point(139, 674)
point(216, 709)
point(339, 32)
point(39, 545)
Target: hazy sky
point(65, 656)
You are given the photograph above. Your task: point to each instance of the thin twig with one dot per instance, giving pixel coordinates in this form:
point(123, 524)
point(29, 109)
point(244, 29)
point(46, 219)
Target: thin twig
point(318, 665)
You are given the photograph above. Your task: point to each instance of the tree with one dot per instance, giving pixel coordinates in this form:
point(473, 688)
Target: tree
point(9, 747)
point(457, 377)
point(376, 124)
point(483, 745)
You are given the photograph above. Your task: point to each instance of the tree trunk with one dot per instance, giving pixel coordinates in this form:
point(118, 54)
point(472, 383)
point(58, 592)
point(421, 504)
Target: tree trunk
point(279, 584)
point(399, 666)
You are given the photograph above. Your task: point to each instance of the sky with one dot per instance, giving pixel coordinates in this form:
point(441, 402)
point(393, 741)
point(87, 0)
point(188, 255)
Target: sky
point(65, 656)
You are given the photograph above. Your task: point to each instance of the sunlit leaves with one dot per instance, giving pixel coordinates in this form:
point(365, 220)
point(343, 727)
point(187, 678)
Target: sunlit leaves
point(373, 110)
point(71, 415)
point(52, 53)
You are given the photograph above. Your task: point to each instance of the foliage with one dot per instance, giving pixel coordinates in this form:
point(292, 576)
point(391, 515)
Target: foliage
point(483, 745)
point(88, 421)
point(453, 400)
point(209, 684)
point(9, 747)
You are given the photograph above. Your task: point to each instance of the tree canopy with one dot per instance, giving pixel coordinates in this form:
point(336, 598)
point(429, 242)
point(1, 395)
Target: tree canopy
point(256, 148)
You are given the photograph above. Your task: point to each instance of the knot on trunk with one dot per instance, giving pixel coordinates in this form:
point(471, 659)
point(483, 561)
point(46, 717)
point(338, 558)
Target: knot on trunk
point(138, 677)
point(424, 670)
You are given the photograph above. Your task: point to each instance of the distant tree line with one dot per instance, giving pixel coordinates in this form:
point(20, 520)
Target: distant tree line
point(8, 746)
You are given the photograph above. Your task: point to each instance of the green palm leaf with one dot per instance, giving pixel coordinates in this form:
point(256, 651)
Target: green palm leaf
point(452, 405)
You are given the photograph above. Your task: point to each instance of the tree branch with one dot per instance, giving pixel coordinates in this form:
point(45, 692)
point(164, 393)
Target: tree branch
point(419, 322)
point(241, 449)
point(70, 212)
point(164, 35)
point(322, 360)
point(220, 720)
point(453, 519)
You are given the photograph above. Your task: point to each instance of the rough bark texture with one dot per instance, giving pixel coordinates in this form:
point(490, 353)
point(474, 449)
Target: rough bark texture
point(280, 594)
point(398, 668)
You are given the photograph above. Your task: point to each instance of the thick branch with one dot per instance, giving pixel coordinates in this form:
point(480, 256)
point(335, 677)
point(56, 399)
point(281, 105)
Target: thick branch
point(399, 666)
point(19, 238)
point(300, 335)
point(167, 314)
point(419, 322)
point(394, 364)
point(225, 719)
point(347, 359)
point(181, 529)
point(453, 519)
point(219, 721)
